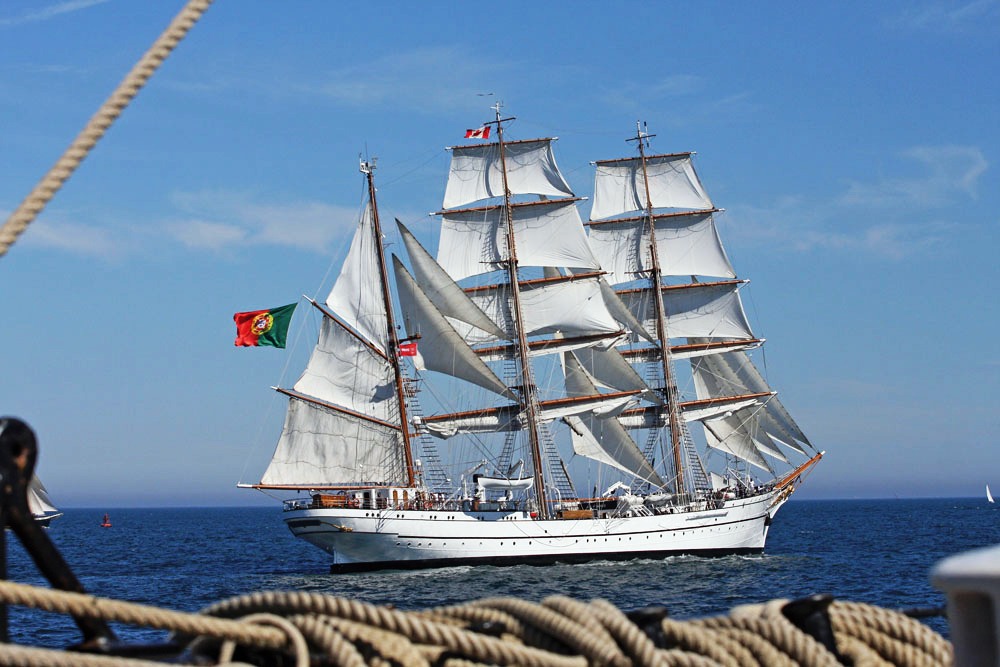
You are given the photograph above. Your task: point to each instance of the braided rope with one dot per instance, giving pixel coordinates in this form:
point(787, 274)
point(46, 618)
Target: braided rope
point(88, 606)
point(64, 167)
point(558, 632)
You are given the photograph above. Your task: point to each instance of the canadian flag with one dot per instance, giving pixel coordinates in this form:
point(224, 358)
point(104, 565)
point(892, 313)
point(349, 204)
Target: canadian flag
point(408, 349)
point(481, 133)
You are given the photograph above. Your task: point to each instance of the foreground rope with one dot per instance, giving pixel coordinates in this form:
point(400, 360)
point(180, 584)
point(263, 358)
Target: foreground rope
point(298, 628)
point(99, 123)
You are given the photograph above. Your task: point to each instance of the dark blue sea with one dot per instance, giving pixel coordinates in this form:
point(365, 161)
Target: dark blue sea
point(874, 551)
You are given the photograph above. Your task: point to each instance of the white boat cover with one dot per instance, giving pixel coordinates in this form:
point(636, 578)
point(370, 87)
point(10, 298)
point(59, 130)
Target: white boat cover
point(619, 186)
point(686, 245)
point(476, 172)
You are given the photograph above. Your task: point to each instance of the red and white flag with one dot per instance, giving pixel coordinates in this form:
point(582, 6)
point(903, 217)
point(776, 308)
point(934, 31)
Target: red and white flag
point(408, 349)
point(480, 133)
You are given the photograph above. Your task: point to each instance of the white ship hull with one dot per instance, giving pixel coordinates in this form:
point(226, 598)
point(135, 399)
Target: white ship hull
point(366, 539)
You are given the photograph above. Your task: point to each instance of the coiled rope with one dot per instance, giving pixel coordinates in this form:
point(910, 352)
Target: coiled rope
point(313, 629)
point(99, 123)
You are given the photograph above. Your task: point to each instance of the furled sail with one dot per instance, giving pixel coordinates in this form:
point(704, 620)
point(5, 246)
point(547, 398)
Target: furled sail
point(476, 172)
point(620, 186)
point(687, 244)
point(511, 417)
point(547, 233)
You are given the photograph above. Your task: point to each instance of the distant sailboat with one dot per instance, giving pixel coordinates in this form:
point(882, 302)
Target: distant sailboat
point(39, 503)
point(989, 496)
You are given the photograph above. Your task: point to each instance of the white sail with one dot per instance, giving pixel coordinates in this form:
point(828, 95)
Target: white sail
point(439, 347)
point(320, 446)
point(730, 435)
point(344, 371)
point(989, 496)
point(476, 172)
point(571, 306)
point(442, 290)
point(343, 420)
point(698, 310)
point(601, 437)
point(609, 369)
point(733, 373)
point(546, 233)
point(620, 186)
point(39, 503)
point(686, 245)
point(356, 297)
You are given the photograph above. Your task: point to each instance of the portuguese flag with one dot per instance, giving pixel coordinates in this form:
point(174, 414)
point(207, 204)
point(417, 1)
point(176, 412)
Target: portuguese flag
point(263, 327)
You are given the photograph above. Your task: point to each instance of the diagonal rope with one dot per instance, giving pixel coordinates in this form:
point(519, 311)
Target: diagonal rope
point(64, 167)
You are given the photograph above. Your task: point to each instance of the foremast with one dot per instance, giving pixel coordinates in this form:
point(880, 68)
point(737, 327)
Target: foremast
point(368, 169)
point(670, 385)
point(527, 395)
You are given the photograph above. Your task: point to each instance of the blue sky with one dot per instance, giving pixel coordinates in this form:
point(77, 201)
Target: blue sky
point(852, 144)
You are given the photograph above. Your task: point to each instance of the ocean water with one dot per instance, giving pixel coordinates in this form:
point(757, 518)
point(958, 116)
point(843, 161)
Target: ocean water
point(874, 551)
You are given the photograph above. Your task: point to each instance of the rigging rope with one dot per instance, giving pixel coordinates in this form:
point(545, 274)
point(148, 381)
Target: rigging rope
point(308, 628)
point(46, 189)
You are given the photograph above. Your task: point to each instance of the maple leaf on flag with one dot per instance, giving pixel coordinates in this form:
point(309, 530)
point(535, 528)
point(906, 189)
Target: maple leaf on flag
point(479, 133)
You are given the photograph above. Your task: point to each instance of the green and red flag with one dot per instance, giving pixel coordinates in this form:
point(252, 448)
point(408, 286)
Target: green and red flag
point(263, 327)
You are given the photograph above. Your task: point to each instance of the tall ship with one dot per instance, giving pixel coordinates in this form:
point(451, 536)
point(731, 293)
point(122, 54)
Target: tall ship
point(524, 403)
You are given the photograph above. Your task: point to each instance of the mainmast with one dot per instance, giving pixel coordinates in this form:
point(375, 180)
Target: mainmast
point(529, 400)
point(368, 169)
point(670, 385)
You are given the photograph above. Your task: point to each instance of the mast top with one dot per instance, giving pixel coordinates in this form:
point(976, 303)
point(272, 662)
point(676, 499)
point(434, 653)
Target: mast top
point(367, 166)
point(641, 134)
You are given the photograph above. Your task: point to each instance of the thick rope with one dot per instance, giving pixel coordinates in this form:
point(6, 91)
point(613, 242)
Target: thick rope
point(46, 189)
point(309, 628)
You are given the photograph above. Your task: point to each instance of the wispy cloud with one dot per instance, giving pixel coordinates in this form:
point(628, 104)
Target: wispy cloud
point(894, 218)
point(221, 220)
point(49, 12)
point(426, 79)
point(945, 174)
point(75, 238)
point(954, 17)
